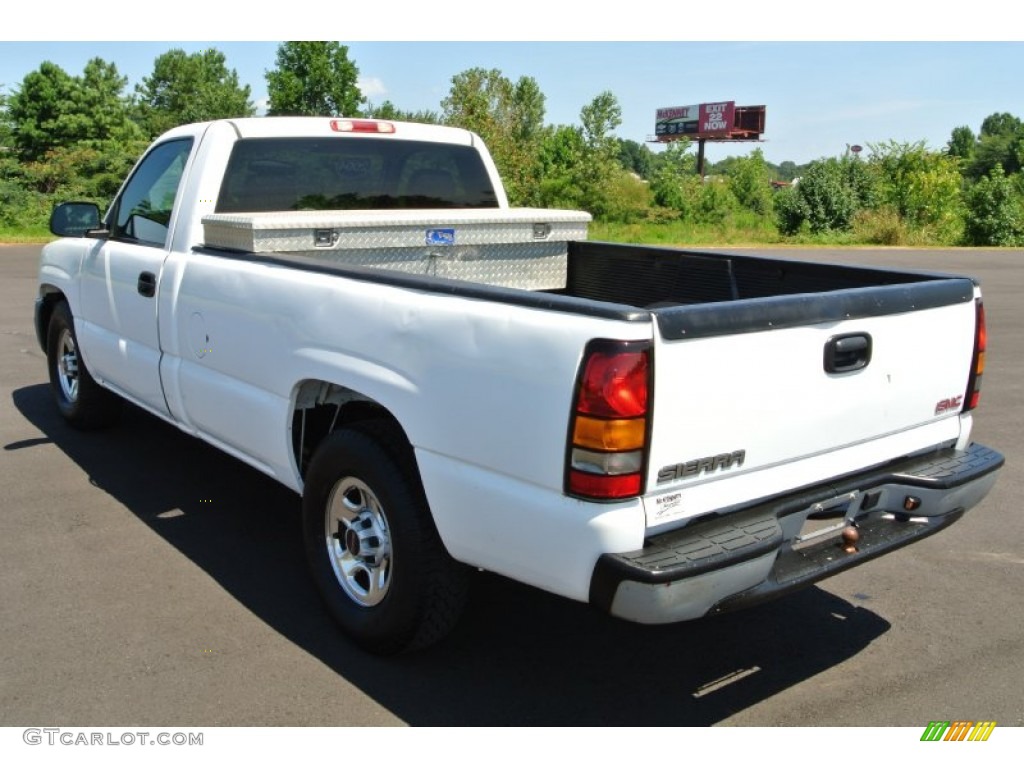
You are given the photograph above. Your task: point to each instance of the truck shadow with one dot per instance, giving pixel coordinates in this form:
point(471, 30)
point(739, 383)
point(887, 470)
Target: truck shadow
point(519, 657)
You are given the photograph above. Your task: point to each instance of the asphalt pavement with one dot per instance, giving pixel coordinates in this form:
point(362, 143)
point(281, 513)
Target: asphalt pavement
point(146, 578)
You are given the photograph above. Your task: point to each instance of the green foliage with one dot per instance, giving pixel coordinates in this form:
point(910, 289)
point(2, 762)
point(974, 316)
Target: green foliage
point(791, 212)
point(599, 164)
point(1000, 142)
point(65, 136)
point(53, 109)
point(189, 88)
point(388, 111)
point(509, 117)
point(313, 78)
point(880, 226)
point(827, 197)
point(961, 143)
point(924, 187)
point(83, 171)
point(715, 203)
point(637, 158)
point(560, 153)
point(626, 198)
point(787, 170)
point(824, 199)
point(996, 211)
point(750, 182)
point(674, 178)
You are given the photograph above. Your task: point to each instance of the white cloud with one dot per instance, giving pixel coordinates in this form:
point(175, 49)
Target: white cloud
point(372, 87)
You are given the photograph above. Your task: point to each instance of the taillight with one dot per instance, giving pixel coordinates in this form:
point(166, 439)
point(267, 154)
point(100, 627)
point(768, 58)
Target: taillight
point(608, 430)
point(362, 126)
point(978, 361)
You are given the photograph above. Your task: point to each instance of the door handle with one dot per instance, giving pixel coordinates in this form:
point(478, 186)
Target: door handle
point(147, 284)
point(848, 353)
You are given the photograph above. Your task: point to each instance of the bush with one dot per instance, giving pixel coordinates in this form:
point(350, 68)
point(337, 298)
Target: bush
point(791, 212)
point(923, 187)
point(830, 201)
point(627, 199)
point(995, 212)
point(880, 226)
point(750, 183)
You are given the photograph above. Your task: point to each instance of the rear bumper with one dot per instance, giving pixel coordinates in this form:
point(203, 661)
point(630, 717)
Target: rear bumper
point(735, 560)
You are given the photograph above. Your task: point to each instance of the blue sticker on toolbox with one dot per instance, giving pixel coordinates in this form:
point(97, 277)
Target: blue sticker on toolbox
point(440, 237)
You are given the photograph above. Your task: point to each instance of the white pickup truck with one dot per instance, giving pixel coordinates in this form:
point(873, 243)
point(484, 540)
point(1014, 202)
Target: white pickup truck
point(662, 433)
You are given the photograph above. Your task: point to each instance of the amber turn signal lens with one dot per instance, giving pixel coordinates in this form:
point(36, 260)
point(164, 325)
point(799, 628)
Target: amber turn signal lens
point(609, 435)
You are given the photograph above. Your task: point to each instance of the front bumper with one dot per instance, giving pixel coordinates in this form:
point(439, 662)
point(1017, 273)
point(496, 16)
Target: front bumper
point(734, 560)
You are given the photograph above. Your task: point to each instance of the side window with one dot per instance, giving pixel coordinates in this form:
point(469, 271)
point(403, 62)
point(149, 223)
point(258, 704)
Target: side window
point(143, 212)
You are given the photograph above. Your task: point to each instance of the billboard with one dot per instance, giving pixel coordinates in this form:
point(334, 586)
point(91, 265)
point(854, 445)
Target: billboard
point(698, 121)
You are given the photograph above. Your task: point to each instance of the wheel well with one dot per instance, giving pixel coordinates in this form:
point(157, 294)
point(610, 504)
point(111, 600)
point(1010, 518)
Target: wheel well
point(51, 297)
point(322, 408)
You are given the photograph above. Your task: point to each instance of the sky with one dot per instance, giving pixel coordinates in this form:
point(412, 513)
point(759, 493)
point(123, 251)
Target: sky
point(846, 81)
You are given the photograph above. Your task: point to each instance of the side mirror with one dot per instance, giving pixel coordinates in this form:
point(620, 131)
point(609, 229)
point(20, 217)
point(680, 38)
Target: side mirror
point(74, 219)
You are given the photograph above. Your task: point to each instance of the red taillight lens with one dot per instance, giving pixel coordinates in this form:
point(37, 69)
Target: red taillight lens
point(604, 486)
point(607, 449)
point(978, 361)
point(614, 385)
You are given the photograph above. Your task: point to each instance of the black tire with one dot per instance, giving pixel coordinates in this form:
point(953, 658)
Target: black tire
point(82, 402)
point(372, 547)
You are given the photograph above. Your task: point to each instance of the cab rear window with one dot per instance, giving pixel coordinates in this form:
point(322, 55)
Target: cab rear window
point(311, 174)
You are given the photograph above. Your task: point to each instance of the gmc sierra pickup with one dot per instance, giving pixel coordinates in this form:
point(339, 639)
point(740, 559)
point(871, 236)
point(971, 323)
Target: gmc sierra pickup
point(352, 308)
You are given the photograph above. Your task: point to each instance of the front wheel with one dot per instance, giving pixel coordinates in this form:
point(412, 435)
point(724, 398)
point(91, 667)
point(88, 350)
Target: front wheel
point(371, 544)
point(81, 401)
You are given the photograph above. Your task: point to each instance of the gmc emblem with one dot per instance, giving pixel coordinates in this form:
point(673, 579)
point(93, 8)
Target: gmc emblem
point(949, 404)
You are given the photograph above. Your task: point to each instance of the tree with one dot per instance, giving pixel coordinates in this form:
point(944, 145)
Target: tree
point(35, 110)
point(599, 163)
point(637, 158)
point(1001, 124)
point(1000, 142)
point(313, 78)
point(961, 143)
point(560, 154)
point(52, 109)
point(388, 111)
point(788, 170)
point(995, 212)
point(509, 117)
point(190, 88)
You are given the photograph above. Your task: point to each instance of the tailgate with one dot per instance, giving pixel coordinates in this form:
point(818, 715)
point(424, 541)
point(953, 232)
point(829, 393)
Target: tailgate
point(753, 398)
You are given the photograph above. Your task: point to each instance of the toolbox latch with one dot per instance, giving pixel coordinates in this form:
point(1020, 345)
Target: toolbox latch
point(325, 238)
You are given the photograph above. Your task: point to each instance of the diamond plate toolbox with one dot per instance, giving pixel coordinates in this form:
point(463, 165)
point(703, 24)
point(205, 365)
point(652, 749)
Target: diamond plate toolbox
point(514, 248)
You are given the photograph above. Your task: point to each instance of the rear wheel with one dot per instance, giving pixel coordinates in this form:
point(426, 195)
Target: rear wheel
point(371, 544)
point(81, 401)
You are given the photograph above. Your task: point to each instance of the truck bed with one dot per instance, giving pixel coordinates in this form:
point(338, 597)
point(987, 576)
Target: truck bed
point(695, 294)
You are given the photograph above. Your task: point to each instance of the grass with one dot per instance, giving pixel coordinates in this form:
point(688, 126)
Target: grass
point(738, 231)
point(25, 235)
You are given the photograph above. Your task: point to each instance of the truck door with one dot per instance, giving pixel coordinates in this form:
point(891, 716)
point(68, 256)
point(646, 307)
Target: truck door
point(118, 317)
